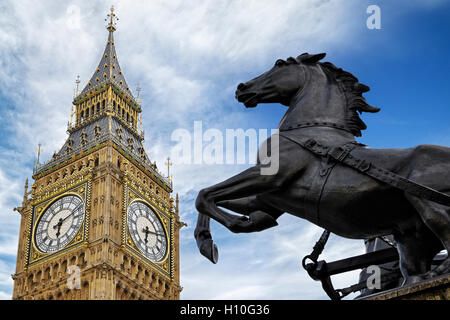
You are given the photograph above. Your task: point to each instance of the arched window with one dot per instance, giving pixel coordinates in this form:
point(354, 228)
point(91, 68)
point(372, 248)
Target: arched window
point(64, 267)
point(47, 274)
point(98, 107)
point(87, 113)
point(114, 106)
point(30, 281)
point(55, 270)
point(82, 116)
point(103, 104)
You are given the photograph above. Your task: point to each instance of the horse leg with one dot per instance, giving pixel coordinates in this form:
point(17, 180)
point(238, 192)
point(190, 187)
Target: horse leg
point(204, 239)
point(253, 182)
point(260, 216)
point(245, 184)
point(437, 218)
point(258, 220)
point(206, 206)
point(416, 247)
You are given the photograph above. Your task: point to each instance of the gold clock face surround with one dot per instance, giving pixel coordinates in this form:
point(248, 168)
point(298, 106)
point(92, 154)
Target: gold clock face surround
point(59, 223)
point(147, 231)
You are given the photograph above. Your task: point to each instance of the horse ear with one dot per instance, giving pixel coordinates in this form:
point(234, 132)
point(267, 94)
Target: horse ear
point(361, 87)
point(311, 58)
point(369, 108)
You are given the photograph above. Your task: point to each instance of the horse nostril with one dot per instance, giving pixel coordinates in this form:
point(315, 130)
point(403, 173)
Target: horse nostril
point(241, 86)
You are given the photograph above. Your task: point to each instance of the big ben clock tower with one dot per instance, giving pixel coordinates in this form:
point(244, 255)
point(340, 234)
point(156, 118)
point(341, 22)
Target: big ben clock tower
point(99, 221)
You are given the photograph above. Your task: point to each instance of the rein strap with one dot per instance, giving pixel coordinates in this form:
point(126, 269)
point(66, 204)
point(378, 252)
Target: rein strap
point(342, 154)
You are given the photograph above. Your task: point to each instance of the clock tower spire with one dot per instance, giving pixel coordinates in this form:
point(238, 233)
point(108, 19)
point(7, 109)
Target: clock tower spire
point(99, 209)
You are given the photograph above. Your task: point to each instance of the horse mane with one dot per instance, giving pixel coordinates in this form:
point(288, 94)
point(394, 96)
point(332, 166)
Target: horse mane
point(353, 91)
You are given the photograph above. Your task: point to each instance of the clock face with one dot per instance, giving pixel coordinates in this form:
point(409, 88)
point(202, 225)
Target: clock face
point(147, 231)
point(59, 223)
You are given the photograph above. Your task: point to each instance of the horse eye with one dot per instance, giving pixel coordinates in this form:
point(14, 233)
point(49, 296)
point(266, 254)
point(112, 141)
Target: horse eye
point(279, 63)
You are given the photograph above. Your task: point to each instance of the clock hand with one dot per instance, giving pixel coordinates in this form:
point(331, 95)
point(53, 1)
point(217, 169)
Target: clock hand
point(147, 232)
point(57, 233)
point(157, 233)
point(58, 225)
point(61, 220)
point(67, 216)
point(73, 211)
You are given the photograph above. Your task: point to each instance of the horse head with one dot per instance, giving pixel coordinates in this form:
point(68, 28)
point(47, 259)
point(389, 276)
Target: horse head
point(318, 93)
point(279, 84)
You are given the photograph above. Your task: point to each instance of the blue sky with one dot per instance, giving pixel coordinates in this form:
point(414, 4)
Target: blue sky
point(188, 57)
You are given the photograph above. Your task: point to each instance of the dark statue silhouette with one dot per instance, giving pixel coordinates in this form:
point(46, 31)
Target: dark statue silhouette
point(326, 177)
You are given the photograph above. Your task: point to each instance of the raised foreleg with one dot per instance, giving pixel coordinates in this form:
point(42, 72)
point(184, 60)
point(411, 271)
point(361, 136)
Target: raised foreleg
point(204, 239)
point(246, 184)
point(257, 220)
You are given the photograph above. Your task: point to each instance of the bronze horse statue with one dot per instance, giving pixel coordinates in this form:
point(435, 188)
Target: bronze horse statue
point(399, 192)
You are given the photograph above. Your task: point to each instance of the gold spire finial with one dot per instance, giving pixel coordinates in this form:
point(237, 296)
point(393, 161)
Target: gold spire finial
point(138, 90)
point(77, 81)
point(168, 164)
point(38, 155)
point(112, 20)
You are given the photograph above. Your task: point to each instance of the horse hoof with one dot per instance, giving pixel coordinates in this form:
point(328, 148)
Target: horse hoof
point(262, 221)
point(209, 250)
point(412, 280)
point(443, 268)
point(256, 221)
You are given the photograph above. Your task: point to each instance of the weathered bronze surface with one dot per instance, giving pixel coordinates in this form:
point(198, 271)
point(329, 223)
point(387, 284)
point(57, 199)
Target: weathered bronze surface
point(326, 177)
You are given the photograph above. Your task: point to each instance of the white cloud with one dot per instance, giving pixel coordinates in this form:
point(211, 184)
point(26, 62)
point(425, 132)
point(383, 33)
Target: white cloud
point(6, 282)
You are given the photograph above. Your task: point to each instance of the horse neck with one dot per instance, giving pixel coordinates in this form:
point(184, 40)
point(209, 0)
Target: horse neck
point(320, 103)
